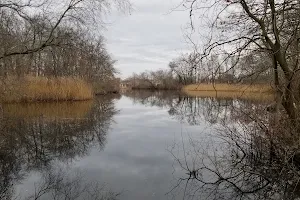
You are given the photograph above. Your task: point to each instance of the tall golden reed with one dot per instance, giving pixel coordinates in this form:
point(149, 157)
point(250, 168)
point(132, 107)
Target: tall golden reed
point(258, 92)
point(34, 89)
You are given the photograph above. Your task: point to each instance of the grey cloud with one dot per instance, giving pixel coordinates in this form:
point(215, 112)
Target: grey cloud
point(148, 38)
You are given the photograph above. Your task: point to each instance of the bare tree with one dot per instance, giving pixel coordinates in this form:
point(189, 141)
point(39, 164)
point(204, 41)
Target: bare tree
point(50, 38)
point(68, 13)
point(155, 80)
point(185, 68)
point(237, 27)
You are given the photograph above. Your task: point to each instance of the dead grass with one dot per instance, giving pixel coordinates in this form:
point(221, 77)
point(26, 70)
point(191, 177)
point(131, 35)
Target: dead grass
point(257, 92)
point(34, 89)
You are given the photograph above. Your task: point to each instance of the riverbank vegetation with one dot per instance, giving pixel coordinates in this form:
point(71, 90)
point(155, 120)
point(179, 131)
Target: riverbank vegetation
point(153, 80)
point(32, 89)
point(196, 78)
point(223, 87)
point(258, 92)
point(192, 74)
point(54, 55)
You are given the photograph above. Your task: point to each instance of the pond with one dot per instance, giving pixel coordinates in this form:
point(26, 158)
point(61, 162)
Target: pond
point(141, 145)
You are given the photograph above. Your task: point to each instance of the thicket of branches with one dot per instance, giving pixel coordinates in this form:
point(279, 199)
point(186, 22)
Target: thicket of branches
point(55, 38)
point(160, 79)
point(238, 28)
point(217, 68)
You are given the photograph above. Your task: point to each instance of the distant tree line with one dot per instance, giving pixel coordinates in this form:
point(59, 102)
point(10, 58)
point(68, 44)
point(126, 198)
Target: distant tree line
point(160, 79)
point(216, 68)
point(190, 69)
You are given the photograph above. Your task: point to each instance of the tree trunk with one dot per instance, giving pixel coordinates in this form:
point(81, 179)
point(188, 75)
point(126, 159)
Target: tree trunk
point(289, 102)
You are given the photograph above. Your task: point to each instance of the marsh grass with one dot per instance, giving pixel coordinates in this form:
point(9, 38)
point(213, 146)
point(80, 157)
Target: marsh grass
point(257, 92)
point(45, 89)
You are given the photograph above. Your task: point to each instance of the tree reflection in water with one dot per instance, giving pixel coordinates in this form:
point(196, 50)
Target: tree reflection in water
point(57, 184)
point(253, 154)
point(34, 136)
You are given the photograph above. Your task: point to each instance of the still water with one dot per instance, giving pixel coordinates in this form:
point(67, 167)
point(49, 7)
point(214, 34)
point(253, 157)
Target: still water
point(141, 145)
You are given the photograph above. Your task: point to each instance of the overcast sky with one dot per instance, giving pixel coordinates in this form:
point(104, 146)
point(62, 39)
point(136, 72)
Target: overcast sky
point(149, 38)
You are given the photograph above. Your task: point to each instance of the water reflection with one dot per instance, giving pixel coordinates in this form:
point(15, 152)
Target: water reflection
point(57, 183)
point(196, 110)
point(250, 162)
point(247, 152)
point(34, 136)
point(252, 154)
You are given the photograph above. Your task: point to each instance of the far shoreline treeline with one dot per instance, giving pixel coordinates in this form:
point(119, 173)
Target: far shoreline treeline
point(209, 78)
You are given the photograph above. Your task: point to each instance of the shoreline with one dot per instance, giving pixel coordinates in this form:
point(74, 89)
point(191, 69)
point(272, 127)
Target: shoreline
point(31, 89)
point(257, 92)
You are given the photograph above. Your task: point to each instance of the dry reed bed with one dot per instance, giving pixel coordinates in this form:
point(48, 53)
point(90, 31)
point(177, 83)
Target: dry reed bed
point(256, 92)
point(36, 89)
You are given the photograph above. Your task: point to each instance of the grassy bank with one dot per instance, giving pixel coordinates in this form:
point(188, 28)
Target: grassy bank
point(232, 91)
point(35, 89)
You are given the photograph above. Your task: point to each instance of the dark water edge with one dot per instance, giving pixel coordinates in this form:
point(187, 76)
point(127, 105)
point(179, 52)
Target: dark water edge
point(142, 145)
